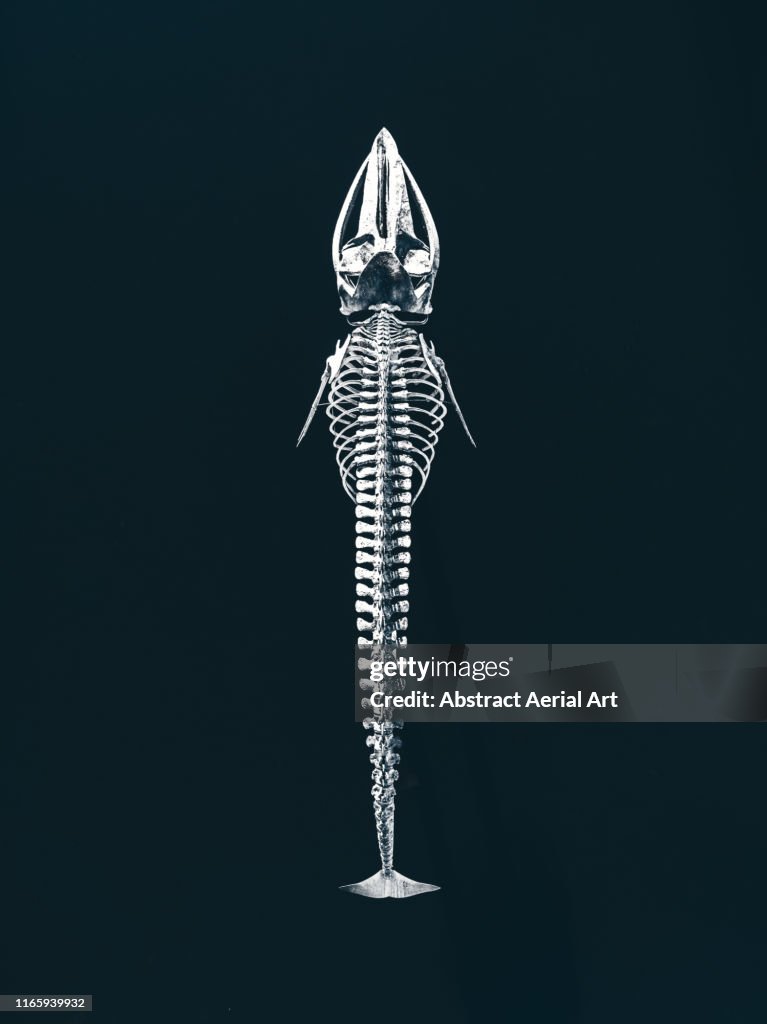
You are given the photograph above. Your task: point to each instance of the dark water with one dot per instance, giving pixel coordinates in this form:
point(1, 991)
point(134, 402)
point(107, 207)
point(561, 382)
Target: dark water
point(175, 817)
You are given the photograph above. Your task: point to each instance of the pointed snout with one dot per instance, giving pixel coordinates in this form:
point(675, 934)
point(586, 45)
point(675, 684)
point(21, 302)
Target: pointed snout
point(384, 143)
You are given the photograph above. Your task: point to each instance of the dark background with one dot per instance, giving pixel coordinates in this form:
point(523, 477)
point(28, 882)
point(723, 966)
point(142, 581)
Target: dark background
point(175, 817)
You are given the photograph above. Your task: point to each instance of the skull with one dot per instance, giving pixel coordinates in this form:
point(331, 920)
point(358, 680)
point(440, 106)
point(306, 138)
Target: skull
point(391, 260)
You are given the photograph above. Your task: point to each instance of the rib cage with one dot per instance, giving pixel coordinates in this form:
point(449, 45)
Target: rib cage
point(385, 371)
point(386, 408)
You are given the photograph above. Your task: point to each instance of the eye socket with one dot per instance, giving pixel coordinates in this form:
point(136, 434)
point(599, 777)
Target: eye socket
point(359, 240)
point(418, 280)
point(409, 244)
point(351, 279)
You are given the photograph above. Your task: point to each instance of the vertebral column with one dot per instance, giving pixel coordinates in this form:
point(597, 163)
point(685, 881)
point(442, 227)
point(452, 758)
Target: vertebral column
point(383, 497)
